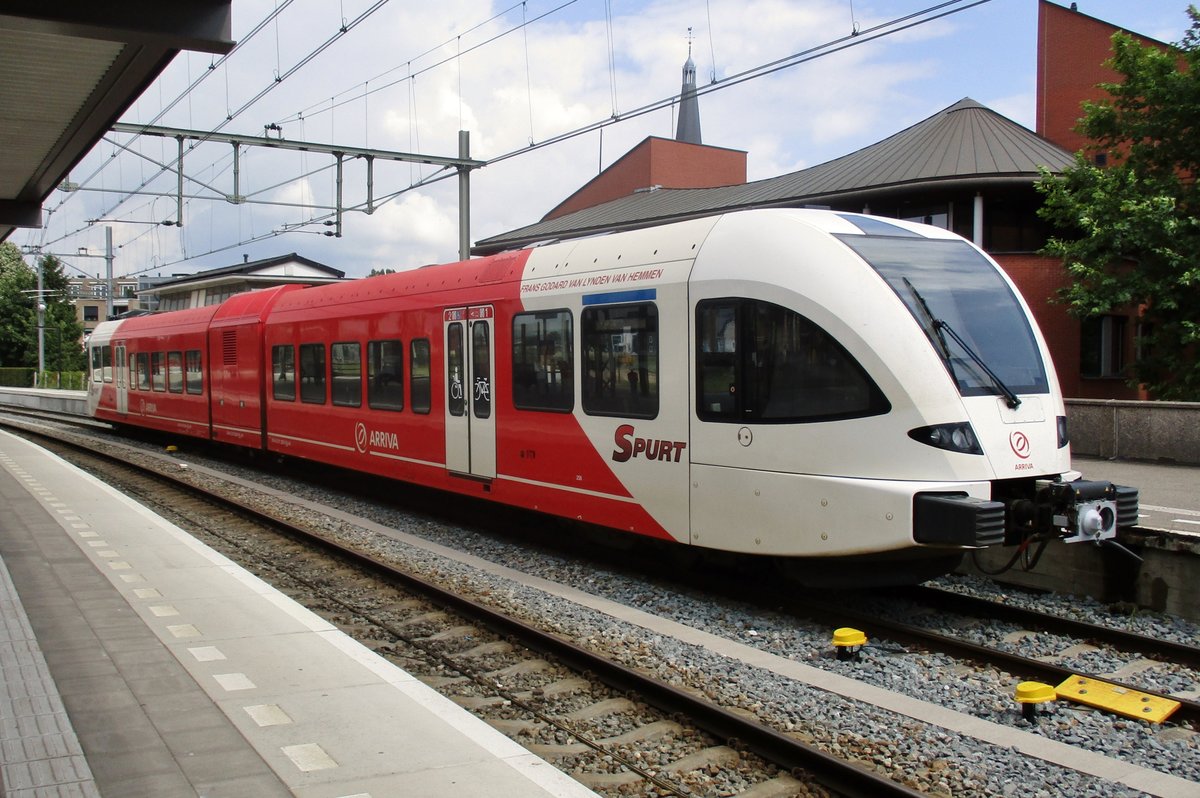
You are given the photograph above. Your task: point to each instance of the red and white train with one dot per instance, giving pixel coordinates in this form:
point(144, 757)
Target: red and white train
point(810, 385)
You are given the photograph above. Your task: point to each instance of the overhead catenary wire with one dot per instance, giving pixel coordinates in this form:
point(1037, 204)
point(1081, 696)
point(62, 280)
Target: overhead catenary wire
point(231, 115)
point(898, 25)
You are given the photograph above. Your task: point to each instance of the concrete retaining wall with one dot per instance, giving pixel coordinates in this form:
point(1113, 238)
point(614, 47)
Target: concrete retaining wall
point(1135, 430)
point(46, 399)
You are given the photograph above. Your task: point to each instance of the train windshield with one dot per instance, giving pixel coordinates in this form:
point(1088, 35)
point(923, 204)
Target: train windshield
point(949, 287)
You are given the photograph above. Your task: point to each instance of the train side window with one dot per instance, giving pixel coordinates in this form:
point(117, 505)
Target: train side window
point(175, 372)
point(620, 360)
point(481, 370)
point(757, 361)
point(418, 375)
point(346, 363)
point(385, 375)
point(106, 363)
point(455, 368)
point(312, 373)
point(141, 368)
point(543, 361)
point(283, 373)
point(97, 368)
point(194, 372)
point(158, 374)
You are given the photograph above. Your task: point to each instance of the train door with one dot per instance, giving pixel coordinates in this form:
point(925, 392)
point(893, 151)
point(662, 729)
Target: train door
point(469, 363)
point(121, 378)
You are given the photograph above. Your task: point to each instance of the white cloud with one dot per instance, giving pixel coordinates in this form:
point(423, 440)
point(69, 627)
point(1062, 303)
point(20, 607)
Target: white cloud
point(557, 72)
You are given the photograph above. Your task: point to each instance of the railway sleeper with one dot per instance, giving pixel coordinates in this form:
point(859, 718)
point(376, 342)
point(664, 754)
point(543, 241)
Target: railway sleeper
point(651, 731)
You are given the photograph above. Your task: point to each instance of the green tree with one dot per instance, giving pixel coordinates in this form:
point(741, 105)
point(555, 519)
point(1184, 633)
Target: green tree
point(1130, 236)
point(64, 333)
point(18, 314)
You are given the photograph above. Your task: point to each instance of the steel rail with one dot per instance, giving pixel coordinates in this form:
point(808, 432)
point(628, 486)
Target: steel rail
point(1034, 619)
point(1024, 667)
point(842, 776)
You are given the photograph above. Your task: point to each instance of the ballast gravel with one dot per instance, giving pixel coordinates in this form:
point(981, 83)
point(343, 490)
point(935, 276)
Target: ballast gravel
point(926, 757)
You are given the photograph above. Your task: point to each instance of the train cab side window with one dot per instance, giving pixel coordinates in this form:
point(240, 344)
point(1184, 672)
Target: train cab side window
point(158, 374)
point(346, 363)
point(141, 367)
point(283, 373)
point(757, 361)
point(543, 361)
point(312, 373)
point(418, 375)
point(620, 360)
point(194, 372)
point(175, 372)
point(385, 375)
point(97, 368)
point(106, 366)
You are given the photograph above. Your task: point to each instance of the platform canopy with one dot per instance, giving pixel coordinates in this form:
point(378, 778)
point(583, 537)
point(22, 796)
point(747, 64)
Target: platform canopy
point(69, 69)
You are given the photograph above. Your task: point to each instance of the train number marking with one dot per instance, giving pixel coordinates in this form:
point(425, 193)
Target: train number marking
point(629, 447)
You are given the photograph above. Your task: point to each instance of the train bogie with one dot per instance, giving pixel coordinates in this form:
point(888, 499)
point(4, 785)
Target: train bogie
point(799, 384)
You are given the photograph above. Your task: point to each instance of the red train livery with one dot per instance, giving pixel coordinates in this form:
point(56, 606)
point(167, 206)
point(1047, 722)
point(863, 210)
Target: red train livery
point(793, 383)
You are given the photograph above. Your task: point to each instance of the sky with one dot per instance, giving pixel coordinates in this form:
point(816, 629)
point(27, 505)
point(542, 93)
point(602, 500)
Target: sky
point(406, 76)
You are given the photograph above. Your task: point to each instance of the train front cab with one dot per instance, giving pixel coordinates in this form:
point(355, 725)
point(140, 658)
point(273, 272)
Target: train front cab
point(104, 401)
point(848, 464)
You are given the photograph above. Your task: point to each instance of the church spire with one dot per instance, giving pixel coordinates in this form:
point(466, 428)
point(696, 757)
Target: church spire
point(689, 105)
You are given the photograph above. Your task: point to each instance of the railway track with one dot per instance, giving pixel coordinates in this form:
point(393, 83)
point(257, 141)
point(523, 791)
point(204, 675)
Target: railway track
point(608, 725)
point(1024, 667)
point(874, 747)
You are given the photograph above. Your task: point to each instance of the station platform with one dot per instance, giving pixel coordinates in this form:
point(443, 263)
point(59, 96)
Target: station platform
point(136, 661)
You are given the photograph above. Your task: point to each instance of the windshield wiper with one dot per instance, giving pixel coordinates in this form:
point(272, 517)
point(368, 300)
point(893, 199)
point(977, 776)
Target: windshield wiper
point(1010, 398)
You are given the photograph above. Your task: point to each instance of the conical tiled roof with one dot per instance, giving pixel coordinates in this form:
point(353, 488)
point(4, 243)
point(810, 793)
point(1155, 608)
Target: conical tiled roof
point(967, 144)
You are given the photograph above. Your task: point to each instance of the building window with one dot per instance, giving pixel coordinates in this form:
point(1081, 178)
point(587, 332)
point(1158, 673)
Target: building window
point(1102, 347)
point(91, 313)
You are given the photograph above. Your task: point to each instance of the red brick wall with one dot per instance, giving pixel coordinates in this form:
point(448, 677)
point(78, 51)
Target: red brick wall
point(1072, 49)
point(1039, 280)
point(658, 162)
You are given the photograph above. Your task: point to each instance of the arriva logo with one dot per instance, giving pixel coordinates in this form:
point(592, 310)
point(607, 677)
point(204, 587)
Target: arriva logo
point(629, 447)
point(374, 439)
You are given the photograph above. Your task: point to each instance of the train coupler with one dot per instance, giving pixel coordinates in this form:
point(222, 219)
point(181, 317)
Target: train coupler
point(1088, 510)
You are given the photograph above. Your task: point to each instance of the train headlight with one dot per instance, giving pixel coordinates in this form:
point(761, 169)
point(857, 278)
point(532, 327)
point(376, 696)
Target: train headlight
point(1064, 433)
point(951, 437)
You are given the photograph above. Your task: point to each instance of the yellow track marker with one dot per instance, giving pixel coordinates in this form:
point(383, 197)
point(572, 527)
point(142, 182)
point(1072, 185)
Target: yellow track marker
point(1114, 698)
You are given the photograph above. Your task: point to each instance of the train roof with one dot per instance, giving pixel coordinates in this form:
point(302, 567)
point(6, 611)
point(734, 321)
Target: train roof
point(251, 306)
